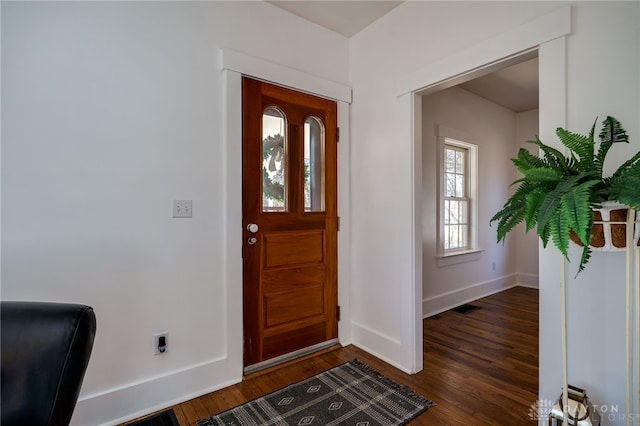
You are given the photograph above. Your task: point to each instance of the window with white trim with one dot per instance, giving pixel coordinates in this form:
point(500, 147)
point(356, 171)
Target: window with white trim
point(458, 197)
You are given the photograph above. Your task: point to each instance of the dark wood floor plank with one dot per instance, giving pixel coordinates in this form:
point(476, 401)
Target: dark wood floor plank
point(481, 368)
point(180, 416)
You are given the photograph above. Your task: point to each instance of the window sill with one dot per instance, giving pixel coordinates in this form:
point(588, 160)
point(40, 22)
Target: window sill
point(459, 257)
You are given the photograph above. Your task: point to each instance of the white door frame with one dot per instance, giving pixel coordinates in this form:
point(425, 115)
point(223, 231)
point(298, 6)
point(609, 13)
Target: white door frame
point(545, 34)
point(234, 65)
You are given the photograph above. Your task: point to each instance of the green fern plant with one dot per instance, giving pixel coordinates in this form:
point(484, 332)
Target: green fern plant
point(557, 192)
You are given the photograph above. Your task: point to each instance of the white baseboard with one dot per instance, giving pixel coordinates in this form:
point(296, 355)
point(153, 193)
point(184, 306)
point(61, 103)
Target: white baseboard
point(129, 402)
point(135, 400)
point(388, 348)
point(443, 302)
point(381, 357)
point(528, 280)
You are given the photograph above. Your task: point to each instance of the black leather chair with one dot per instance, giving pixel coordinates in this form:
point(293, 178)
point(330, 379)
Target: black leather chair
point(45, 353)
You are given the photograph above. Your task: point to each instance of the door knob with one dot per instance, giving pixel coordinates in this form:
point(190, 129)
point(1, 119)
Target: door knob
point(252, 240)
point(252, 227)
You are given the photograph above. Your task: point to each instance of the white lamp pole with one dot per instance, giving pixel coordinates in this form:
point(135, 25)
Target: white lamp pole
point(563, 314)
point(631, 216)
point(637, 327)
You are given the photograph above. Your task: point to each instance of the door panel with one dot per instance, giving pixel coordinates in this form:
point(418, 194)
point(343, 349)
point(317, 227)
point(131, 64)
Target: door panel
point(293, 305)
point(290, 341)
point(279, 279)
point(289, 195)
point(292, 248)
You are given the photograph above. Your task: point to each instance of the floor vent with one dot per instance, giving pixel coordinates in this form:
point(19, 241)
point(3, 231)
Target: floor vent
point(464, 309)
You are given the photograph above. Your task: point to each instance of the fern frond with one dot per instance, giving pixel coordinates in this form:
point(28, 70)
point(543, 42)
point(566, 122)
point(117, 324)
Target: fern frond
point(544, 233)
point(624, 184)
point(509, 216)
point(580, 145)
point(542, 175)
point(550, 207)
point(612, 132)
point(628, 192)
point(551, 155)
point(576, 209)
point(559, 228)
point(526, 187)
point(631, 167)
point(525, 160)
point(514, 210)
point(534, 202)
point(509, 223)
point(551, 204)
point(584, 258)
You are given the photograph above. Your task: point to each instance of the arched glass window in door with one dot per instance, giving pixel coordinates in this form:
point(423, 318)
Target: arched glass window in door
point(274, 150)
point(314, 172)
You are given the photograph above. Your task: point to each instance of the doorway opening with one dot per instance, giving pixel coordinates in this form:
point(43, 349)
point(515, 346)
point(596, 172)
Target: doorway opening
point(495, 109)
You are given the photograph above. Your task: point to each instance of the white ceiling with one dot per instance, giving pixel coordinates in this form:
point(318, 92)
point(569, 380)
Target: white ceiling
point(514, 87)
point(344, 17)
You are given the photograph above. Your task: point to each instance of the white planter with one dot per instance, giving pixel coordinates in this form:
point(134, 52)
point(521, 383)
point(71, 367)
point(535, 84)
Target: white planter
point(609, 229)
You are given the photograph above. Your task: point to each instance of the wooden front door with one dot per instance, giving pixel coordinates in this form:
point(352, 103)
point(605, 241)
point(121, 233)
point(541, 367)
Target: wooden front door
point(289, 207)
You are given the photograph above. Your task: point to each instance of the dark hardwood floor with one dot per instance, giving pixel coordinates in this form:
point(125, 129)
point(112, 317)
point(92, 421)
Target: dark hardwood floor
point(481, 368)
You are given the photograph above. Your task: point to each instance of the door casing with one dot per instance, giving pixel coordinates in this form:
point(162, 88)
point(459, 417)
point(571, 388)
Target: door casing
point(234, 65)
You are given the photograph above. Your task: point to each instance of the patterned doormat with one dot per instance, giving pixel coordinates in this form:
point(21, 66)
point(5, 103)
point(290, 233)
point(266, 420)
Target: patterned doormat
point(351, 393)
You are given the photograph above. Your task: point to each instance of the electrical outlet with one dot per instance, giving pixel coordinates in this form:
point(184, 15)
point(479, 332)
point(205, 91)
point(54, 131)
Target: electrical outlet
point(182, 208)
point(161, 343)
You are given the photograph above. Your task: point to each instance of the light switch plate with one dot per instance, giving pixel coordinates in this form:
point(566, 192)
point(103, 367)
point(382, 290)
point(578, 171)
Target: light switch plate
point(182, 208)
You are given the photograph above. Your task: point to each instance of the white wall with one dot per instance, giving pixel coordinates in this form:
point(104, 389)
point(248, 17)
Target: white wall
point(110, 110)
point(493, 129)
point(416, 34)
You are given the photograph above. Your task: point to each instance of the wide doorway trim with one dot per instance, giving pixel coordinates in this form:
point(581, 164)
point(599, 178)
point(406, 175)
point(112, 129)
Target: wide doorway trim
point(281, 75)
point(496, 52)
point(487, 54)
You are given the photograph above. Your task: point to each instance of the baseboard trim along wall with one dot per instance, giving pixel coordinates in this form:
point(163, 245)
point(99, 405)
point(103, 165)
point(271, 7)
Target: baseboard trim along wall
point(528, 280)
point(443, 302)
point(367, 338)
point(135, 400)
